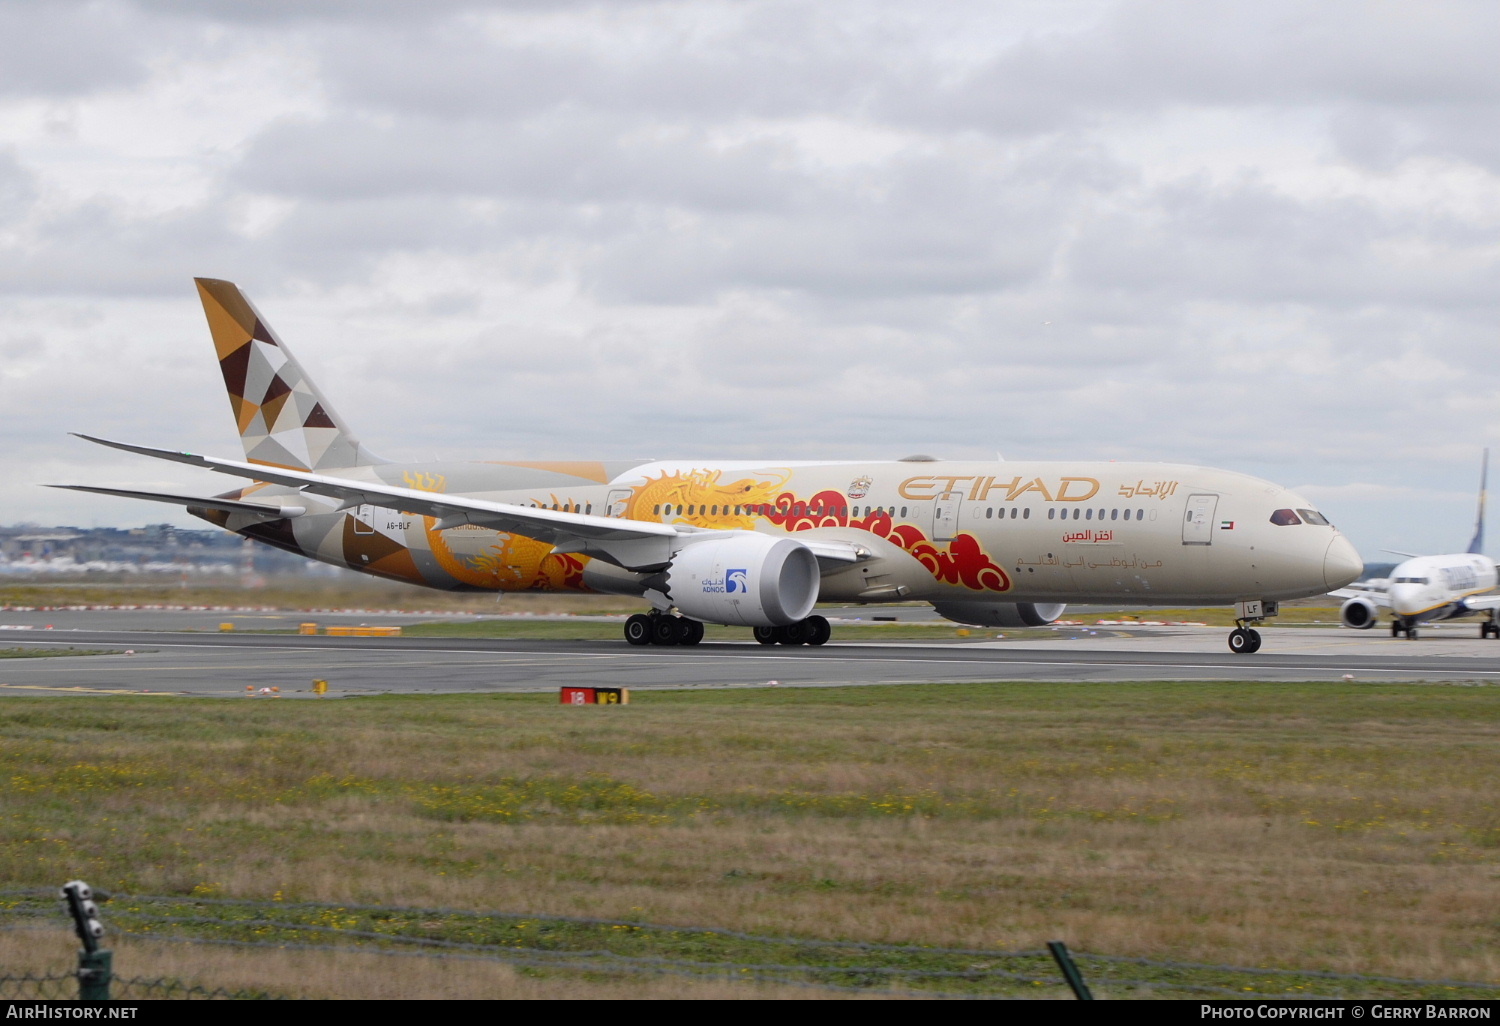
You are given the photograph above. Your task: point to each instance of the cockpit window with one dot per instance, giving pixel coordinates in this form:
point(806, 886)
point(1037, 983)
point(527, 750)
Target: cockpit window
point(1411, 580)
point(1285, 518)
point(1312, 516)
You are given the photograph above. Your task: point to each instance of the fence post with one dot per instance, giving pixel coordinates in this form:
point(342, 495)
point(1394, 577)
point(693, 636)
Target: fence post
point(1069, 970)
point(94, 963)
point(94, 973)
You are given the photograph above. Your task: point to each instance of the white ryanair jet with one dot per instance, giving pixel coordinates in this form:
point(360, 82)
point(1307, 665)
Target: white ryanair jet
point(1428, 588)
point(749, 543)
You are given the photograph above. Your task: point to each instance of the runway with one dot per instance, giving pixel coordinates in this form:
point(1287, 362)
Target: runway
point(227, 664)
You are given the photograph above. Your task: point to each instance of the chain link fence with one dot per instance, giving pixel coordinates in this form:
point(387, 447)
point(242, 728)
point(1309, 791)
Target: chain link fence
point(553, 945)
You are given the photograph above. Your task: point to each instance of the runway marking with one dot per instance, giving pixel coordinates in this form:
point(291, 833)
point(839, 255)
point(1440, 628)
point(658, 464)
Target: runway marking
point(92, 691)
point(361, 657)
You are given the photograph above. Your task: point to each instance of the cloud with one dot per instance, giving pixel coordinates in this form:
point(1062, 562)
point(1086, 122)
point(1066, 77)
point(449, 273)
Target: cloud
point(1255, 236)
point(66, 49)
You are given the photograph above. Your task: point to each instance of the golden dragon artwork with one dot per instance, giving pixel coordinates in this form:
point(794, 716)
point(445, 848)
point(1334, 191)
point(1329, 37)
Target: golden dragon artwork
point(513, 563)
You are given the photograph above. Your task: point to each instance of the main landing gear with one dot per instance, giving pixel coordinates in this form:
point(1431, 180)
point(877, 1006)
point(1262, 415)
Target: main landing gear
point(665, 629)
point(662, 629)
point(1490, 628)
point(815, 630)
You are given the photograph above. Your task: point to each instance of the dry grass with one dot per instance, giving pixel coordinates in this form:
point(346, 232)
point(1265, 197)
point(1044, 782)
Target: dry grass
point(1291, 615)
point(346, 974)
point(1317, 826)
point(867, 633)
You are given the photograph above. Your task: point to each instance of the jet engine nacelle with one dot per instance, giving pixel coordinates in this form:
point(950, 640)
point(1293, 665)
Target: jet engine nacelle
point(1359, 613)
point(1001, 614)
point(742, 579)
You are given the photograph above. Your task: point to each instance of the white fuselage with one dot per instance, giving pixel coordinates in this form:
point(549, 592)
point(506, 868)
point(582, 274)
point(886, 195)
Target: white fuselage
point(1435, 587)
point(947, 532)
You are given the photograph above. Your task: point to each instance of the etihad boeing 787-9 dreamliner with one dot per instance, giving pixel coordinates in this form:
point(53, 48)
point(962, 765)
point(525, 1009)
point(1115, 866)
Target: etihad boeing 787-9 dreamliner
point(751, 543)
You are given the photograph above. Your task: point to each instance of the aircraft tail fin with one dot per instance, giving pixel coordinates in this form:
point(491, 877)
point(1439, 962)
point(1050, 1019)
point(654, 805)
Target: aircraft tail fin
point(282, 417)
point(1477, 545)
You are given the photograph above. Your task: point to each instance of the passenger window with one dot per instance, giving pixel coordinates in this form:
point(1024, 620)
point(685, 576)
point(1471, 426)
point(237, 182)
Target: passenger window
point(903, 511)
point(1088, 515)
point(1314, 517)
point(1285, 518)
point(1140, 514)
point(1076, 511)
point(1051, 512)
point(1114, 514)
point(989, 513)
point(1027, 514)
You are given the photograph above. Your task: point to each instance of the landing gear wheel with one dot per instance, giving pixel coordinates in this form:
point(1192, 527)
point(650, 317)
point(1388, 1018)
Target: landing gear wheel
point(1411, 634)
point(638, 629)
point(1395, 628)
point(666, 631)
point(794, 634)
point(1254, 636)
point(818, 630)
point(692, 632)
point(1239, 641)
point(766, 635)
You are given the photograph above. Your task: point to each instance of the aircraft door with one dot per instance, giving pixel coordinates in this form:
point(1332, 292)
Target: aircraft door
point(1198, 522)
point(364, 519)
point(618, 500)
point(945, 512)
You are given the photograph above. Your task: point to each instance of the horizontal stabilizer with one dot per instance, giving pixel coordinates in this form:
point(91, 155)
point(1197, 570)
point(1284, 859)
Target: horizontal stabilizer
point(227, 505)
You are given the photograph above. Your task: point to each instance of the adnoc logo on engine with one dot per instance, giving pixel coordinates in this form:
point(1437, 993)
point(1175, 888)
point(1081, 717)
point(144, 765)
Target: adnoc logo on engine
point(736, 580)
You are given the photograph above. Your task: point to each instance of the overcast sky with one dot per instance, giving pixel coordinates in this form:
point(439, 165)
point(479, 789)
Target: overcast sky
point(1262, 235)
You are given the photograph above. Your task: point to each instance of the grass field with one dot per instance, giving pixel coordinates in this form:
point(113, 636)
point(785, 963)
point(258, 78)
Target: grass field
point(594, 630)
point(354, 592)
point(43, 653)
point(1344, 827)
point(932, 631)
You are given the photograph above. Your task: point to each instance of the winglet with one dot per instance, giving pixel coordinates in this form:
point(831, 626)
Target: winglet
point(146, 450)
point(1477, 545)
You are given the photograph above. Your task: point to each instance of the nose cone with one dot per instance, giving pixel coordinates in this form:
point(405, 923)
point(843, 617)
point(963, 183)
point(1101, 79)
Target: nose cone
point(1341, 564)
point(1406, 599)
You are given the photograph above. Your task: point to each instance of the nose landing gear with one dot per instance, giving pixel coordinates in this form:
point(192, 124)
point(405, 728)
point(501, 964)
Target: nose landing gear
point(1244, 640)
point(1401, 626)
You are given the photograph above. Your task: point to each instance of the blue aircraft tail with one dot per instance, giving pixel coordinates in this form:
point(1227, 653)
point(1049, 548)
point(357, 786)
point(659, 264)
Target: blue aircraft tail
point(1477, 544)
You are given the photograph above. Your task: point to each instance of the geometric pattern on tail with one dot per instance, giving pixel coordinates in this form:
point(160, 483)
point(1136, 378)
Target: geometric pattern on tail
point(282, 417)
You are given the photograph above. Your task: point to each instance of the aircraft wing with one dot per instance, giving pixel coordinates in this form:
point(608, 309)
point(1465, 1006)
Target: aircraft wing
point(227, 505)
point(1361, 590)
point(634, 544)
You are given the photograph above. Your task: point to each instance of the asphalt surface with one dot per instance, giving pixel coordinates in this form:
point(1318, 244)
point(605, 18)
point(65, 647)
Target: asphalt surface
point(156, 662)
